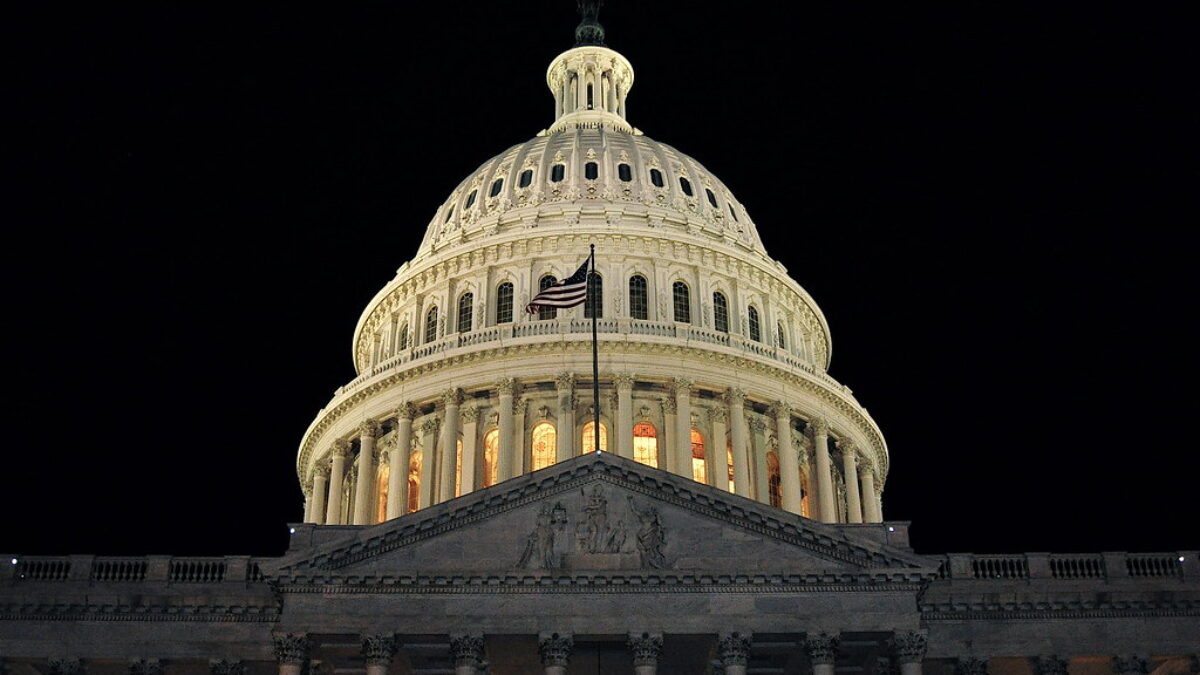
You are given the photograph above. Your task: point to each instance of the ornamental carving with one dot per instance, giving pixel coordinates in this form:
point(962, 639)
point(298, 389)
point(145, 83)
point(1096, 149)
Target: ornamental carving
point(467, 650)
point(470, 415)
point(909, 647)
point(145, 667)
point(378, 650)
point(1049, 665)
point(406, 411)
point(822, 648)
point(452, 397)
point(227, 667)
point(971, 665)
point(668, 405)
point(341, 448)
point(564, 382)
point(291, 649)
point(780, 409)
point(682, 386)
point(646, 649)
point(623, 380)
point(506, 386)
point(718, 415)
point(756, 423)
point(430, 426)
point(734, 649)
point(651, 536)
point(555, 649)
point(520, 406)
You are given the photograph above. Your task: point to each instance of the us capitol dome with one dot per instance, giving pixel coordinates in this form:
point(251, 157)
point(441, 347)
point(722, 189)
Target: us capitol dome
point(712, 360)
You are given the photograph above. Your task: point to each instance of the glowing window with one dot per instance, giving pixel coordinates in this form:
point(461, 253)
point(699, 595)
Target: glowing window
point(712, 199)
point(504, 303)
point(645, 444)
point(589, 443)
point(591, 170)
point(755, 327)
point(683, 303)
point(526, 178)
point(729, 463)
point(685, 185)
point(470, 199)
point(774, 483)
point(656, 177)
point(595, 297)
point(804, 496)
point(381, 489)
point(699, 471)
point(556, 173)
point(546, 312)
point(458, 470)
point(466, 305)
point(491, 456)
point(496, 185)
point(414, 480)
point(720, 312)
point(624, 172)
point(431, 321)
point(638, 298)
point(545, 442)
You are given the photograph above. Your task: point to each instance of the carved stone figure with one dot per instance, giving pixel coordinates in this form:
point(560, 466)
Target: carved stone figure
point(539, 547)
point(651, 536)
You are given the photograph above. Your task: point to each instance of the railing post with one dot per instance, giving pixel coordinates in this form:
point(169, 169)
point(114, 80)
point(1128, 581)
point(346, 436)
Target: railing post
point(959, 566)
point(1038, 565)
point(236, 567)
point(1190, 564)
point(157, 567)
point(81, 567)
point(1114, 565)
point(9, 575)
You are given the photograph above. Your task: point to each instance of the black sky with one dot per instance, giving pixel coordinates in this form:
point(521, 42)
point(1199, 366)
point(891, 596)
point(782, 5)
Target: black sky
point(992, 204)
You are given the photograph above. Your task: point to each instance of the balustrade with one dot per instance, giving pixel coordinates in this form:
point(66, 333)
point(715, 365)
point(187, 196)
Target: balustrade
point(119, 569)
point(196, 570)
point(1077, 566)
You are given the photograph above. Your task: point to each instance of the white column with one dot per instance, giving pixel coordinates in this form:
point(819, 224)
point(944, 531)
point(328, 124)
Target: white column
point(789, 464)
point(337, 472)
point(366, 472)
point(308, 501)
point(734, 650)
point(564, 385)
point(429, 430)
point(827, 513)
point(822, 651)
point(854, 511)
point(716, 451)
point(666, 444)
point(504, 457)
point(683, 427)
point(624, 430)
point(320, 485)
point(398, 475)
point(760, 475)
point(873, 513)
point(470, 436)
point(741, 457)
point(519, 436)
point(448, 457)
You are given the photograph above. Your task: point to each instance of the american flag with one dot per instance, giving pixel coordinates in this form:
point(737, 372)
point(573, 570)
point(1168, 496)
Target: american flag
point(569, 292)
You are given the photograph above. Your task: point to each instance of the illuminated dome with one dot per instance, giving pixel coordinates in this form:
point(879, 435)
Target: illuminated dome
point(712, 359)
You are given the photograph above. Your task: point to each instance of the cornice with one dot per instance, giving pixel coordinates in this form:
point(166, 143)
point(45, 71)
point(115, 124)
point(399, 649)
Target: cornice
point(595, 583)
point(1057, 613)
point(110, 612)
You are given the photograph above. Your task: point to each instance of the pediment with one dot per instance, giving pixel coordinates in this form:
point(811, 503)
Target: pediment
point(600, 513)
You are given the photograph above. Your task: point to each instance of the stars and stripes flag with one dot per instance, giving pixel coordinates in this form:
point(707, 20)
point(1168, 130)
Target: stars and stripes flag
point(569, 292)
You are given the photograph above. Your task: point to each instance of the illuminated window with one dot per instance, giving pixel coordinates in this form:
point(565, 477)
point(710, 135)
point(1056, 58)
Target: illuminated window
point(595, 297)
point(729, 463)
point(404, 337)
point(683, 302)
point(470, 199)
point(685, 185)
point(545, 442)
point(656, 177)
point(499, 183)
point(491, 455)
point(805, 508)
point(774, 484)
point(504, 303)
point(591, 171)
point(458, 470)
point(755, 328)
point(546, 312)
point(639, 305)
point(381, 489)
point(720, 312)
point(526, 178)
point(699, 471)
point(624, 172)
point(780, 341)
point(466, 306)
point(645, 444)
point(712, 199)
point(589, 442)
point(414, 480)
point(431, 325)
point(556, 173)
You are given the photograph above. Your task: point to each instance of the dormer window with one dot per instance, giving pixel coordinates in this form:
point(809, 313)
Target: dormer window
point(685, 185)
point(732, 212)
point(591, 170)
point(556, 173)
point(712, 199)
point(624, 172)
point(470, 199)
point(656, 178)
point(496, 187)
point(449, 213)
point(526, 178)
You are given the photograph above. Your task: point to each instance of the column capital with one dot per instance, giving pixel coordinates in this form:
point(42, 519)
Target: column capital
point(780, 409)
point(140, 666)
point(970, 665)
point(378, 650)
point(1049, 665)
point(467, 650)
point(227, 667)
point(291, 648)
point(756, 423)
point(734, 648)
point(1130, 664)
point(431, 425)
point(452, 397)
point(507, 386)
point(564, 382)
point(66, 666)
point(682, 386)
point(406, 411)
point(368, 429)
point(646, 648)
point(718, 414)
point(322, 471)
point(341, 448)
point(848, 447)
point(520, 406)
point(470, 415)
point(555, 648)
point(822, 648)
point(818, 427)
point(623, 380)
point(668, 405)
point(735, 396)
point(909, 647)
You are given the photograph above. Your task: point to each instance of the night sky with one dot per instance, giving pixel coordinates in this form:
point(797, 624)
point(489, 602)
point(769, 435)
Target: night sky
point(992, 206)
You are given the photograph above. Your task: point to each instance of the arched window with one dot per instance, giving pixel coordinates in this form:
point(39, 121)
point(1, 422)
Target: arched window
point(624, 172)
point(639, 305)
point(755, 328)
point(595, 297)
point(466, 308)
point(381, 489)
point(656, 177)
point(591, 171)
point(504, 302)
point(414, 481)
point(774, 483)
point(543, 311)
point(557, 172)
point(683, 302)
point(712, 199)
point(780, 340)
point(458, 477)
point(589, 96)
point(545, 442)
point(431, 320)
point(720, 312)
point(699, 470)
point(729, 464)
point(645, 444)
point(449, 213)
point(526, 178)
point(589, 442)
point(496, 185)
point(404, 336)
point(471, 199)
point(685, 185)
point(491, 456)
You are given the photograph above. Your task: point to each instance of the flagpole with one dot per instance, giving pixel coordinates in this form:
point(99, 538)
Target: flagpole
point(595, 354)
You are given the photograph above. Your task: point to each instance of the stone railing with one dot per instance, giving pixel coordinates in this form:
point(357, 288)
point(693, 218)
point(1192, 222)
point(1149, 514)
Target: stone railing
point(1109, 566)
point(98, 569)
